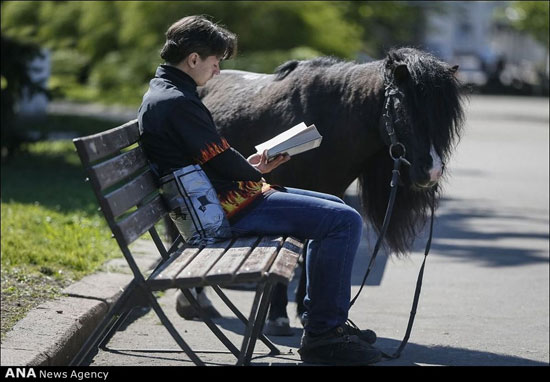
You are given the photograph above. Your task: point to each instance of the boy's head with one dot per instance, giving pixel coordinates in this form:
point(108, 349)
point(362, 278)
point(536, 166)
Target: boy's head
point(197, 34)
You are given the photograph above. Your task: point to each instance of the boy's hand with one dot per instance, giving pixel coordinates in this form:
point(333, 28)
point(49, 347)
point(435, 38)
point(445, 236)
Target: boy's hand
point(260, 161)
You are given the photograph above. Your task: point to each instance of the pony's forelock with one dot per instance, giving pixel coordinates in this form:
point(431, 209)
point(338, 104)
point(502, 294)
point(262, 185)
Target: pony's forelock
point(434, 97)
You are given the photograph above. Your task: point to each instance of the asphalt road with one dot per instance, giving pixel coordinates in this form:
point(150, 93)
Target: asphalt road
point(485, 297)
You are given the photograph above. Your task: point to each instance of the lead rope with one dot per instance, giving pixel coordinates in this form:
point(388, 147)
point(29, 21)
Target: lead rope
point(397, 353)
point(390, 92)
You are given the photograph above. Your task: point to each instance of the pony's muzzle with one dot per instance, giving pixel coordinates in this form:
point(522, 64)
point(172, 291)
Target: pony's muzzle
point(432, 174)
point(437, 166)
point(435, 174)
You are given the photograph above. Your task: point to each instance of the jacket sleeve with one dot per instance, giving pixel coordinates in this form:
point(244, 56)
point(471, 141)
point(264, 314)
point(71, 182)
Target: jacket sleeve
point(196, 129)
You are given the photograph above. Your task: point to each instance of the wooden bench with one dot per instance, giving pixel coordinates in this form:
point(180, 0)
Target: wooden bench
point(128, 195)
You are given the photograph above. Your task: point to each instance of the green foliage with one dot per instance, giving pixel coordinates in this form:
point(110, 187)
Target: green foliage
point(388, 24)
point(532, 17)
point(267, 61)
point(108, 50)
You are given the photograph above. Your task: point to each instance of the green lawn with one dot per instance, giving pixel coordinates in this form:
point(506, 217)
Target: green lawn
point(52, 231)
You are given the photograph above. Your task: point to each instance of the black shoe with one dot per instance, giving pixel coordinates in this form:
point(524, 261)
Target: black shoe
point(367, 335)
point(336, 347)
point(188, 312)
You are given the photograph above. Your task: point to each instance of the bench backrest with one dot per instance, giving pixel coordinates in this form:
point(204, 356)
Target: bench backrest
point(122, 181)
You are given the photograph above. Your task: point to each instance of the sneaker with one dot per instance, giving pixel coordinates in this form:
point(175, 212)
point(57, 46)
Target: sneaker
point(336, 347)
point(185, 310)
point(367, 335)
point(278, 327)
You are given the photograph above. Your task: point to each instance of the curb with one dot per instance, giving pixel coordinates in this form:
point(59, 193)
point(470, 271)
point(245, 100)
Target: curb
point(52, 333)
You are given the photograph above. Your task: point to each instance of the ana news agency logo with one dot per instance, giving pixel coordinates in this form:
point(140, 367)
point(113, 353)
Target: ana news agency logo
point(45, 373)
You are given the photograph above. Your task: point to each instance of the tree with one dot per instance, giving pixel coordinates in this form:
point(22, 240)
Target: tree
point(531, 17)
point(15, 59)
point(386, 24)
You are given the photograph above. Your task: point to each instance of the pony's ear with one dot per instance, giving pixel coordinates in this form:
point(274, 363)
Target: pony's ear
point(400, 73)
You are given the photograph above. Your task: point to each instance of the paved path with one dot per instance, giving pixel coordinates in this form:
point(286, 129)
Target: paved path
point(112, 113)
point(485, 295)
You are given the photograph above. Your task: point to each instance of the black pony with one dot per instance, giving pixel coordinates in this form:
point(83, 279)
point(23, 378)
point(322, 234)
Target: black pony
point(347, 102)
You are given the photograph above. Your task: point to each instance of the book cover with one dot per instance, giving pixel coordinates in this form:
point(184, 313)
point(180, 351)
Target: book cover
point(296, 140)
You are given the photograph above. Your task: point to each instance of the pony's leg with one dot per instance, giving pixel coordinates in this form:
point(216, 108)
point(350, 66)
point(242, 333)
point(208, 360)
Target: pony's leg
point(301, 290)
point(279, 299)
point(277, 323)
point(279, 302)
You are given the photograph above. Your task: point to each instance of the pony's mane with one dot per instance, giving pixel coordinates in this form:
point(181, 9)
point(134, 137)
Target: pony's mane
point(285, 69)
point(434, 104)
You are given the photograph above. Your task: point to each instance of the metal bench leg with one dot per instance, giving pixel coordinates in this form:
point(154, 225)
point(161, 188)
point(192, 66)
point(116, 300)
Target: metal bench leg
point(257, 312)
point(240, 316)
point(259, 322)
point(113, 329)
point(106, 325)
point(172, 330)
point(134, 300)
point(195, 304)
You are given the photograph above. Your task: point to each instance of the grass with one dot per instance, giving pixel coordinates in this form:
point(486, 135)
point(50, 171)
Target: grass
point(72, 124)
point(52, 231)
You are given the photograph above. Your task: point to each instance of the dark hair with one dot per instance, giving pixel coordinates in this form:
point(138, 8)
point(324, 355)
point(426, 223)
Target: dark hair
point(197, 34)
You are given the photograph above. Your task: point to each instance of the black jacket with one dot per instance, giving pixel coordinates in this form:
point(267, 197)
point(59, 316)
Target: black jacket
point(178, 130)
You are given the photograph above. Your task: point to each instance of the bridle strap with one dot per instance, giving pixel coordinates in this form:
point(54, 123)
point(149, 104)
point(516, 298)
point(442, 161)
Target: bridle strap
point(387, 216)
point(390, 91)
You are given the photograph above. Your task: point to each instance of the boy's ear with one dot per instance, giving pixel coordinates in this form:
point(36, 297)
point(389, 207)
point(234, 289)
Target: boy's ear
point(192, 59)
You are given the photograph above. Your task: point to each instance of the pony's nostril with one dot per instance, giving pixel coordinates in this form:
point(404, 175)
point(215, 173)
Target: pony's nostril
point(435, 174)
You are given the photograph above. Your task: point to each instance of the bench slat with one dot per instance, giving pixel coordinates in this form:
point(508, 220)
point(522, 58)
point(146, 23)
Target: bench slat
point(118, 168)
point(163, 278)
point(97, 146)
point(259, 261)
point(225, 268)
point(139, 222)
point(193, 274)
point(129, 195)
point(282, 268)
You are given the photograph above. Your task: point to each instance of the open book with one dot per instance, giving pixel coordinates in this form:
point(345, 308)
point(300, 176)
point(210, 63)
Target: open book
point(295, 140)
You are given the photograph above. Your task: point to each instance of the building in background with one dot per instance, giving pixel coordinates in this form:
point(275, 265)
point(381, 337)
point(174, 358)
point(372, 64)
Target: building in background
point(491, 54)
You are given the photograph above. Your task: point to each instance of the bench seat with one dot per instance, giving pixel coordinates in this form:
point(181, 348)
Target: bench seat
point(242, 260)
point(128, 195)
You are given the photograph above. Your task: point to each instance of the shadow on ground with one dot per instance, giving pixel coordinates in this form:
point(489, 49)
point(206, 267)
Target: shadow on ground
point(414, 354)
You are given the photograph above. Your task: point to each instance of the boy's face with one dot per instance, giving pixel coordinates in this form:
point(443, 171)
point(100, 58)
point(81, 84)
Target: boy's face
point(205, 69)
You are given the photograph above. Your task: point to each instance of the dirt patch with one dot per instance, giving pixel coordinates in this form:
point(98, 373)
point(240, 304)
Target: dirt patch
point(23, 291)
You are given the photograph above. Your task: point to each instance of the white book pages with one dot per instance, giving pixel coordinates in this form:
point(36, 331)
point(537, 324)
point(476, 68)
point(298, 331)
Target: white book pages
point(295, 140)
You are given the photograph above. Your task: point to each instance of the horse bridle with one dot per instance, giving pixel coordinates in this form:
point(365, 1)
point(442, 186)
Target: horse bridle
point(392, 100)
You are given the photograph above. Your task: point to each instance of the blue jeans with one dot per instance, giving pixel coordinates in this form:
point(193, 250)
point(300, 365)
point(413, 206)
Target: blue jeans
point(333, 230)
